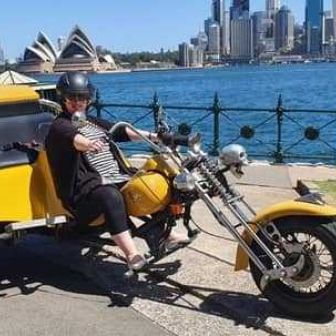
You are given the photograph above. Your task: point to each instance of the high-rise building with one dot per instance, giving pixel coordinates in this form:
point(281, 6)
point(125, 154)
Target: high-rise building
point(184, 54)
point(225, 48)
point(328, 27)
point(261, 41)
point(220, 15)
point(218, 9)
point(195, 55)
point(272, 6)
point(207, 24)
point(314, 26)
point(190, 56)
point(241, 39)
point(284, 29)
point(200, 41)
point(240, 8)
point(214, 38)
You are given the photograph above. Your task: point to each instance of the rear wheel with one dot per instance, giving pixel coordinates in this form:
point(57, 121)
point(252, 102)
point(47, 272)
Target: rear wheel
point(312, 292)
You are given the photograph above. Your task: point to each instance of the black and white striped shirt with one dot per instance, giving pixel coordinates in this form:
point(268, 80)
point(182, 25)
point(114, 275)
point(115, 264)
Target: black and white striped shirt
point(104, 161)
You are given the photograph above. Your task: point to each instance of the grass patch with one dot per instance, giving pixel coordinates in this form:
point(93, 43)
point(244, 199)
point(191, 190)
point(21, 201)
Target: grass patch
point(327, 187)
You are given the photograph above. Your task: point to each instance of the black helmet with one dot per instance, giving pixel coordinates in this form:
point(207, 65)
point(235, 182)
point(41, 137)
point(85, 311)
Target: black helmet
point(75, 83)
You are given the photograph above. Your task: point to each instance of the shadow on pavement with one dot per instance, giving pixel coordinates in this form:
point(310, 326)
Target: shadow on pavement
point(22, 273)
point(27, 273)
point(249, 310)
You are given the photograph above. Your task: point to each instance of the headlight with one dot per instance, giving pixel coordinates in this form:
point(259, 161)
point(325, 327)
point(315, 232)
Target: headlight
point(184, 182)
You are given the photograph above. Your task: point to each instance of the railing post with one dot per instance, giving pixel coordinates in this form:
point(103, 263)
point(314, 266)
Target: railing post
point(278, 155)
point(216, 108)
point(98, 104)
point(156, 109)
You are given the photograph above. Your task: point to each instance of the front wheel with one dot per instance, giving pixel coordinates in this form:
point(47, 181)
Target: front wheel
point(312, 292)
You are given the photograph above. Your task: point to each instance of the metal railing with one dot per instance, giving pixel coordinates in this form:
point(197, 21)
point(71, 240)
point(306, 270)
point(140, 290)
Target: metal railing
point(278, 133)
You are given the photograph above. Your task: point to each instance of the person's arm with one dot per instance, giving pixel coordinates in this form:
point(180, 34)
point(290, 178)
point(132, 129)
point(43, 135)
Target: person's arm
point(135, 137)
point(83, 144)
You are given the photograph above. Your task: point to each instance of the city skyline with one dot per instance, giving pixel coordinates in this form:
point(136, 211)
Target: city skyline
point(122, 26)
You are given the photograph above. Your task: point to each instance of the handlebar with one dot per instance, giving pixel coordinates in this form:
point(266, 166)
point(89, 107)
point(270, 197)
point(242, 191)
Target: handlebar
point(155, 147)
point(170, 139)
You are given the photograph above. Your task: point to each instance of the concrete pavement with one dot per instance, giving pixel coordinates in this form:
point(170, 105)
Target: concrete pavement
point(192, 292)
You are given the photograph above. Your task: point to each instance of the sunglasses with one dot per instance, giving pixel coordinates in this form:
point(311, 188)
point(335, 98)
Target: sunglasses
point(77, 97)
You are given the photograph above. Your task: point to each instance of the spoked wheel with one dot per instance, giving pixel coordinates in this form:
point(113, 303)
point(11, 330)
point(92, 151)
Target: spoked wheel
point(312, 292)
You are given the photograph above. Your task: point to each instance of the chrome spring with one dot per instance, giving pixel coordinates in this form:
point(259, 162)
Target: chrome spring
point(208, 169)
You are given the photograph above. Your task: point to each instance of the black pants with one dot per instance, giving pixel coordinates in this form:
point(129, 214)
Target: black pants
point(106, 200)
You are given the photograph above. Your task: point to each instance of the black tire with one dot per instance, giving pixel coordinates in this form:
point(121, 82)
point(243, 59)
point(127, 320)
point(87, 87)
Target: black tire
point(285, 296)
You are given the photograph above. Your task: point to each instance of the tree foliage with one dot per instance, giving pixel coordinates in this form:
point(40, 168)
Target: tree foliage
point(142, 56)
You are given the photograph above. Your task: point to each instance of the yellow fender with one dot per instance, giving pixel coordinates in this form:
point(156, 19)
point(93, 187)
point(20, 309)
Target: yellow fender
point(283, 209)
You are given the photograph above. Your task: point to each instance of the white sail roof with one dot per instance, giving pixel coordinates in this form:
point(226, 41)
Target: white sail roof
point(11, 77)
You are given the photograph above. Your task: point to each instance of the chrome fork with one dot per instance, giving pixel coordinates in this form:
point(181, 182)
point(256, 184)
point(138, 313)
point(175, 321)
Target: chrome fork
point(231, 200)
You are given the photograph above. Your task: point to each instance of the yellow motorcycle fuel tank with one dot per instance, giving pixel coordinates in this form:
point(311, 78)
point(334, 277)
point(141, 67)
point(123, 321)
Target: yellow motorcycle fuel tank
point(161, 164)
point(146, 193)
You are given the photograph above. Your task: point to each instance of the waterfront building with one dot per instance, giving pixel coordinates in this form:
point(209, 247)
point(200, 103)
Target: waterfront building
point(207, 23)
point(329, 50)
point(240, 8)
point(222, 17)
point(218, 9)
point(261, 40)
point(106, 63)
point(200, 41)
point(314, 26)
point(195, 55)
point(183, 54)
point(328, 27)
point(39, 57)
point(214, 38)
point(226, 34)
point(272, 7)
point(190, 56)
point(284, 29)
point(78, 53)
point(269, 45)
point(241, 39)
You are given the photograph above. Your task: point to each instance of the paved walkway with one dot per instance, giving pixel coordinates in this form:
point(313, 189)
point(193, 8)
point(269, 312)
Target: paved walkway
point(193, 292)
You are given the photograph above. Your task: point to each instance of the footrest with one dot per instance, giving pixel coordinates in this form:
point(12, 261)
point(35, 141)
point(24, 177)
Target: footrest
point(52, 221)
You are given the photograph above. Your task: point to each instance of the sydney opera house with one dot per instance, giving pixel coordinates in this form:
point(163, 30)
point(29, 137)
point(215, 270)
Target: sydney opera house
point(78, 53)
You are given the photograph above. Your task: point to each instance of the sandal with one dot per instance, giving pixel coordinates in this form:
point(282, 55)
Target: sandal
point(137, 262)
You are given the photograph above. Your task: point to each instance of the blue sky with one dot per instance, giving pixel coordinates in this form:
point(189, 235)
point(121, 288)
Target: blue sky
point(119, 25)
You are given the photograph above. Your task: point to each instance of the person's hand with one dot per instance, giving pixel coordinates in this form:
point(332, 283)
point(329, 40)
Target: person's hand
point(95, 146)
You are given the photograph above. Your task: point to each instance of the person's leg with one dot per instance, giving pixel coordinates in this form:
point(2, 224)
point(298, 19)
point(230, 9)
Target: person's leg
point(108, 200)
point(126, 244)
point(113, 207)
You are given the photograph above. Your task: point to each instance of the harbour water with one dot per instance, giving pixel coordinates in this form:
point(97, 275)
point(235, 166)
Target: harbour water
point(302, 86)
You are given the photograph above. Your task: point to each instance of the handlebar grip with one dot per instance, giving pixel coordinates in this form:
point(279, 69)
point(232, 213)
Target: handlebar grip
point(170, 139)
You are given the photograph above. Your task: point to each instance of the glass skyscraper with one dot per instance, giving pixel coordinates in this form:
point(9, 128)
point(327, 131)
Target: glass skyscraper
point(314, 26)
point(218, 8)
point(240, 8)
